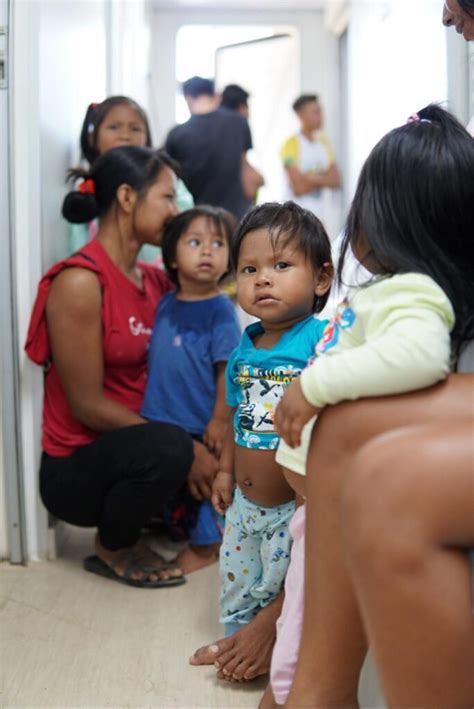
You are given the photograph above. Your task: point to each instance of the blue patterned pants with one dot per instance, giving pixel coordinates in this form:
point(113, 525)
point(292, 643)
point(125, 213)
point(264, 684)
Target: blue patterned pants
point(254, 557)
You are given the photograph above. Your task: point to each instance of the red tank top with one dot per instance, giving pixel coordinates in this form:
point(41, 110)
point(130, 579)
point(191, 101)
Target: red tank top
point(128, 314)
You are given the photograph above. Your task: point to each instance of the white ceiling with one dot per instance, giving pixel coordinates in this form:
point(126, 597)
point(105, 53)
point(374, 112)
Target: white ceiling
point(238, 4)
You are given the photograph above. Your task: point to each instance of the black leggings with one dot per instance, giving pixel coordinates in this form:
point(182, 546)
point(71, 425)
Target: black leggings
point(119, 481)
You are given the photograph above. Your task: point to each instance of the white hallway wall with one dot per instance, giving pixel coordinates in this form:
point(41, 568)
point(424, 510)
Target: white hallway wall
point(318, 56)
point(318, 60)
point(397, 63)
point(3, 510)
point(59, 66)
point(66, 53)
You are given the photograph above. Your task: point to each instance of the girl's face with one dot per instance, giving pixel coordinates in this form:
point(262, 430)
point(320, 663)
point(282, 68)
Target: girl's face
point(122, 125)
point(155, 208)
point(276, 286)
point(202, 254)
point(453, 14)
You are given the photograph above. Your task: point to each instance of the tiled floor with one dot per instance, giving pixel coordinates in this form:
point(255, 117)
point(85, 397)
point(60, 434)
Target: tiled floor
point(72, 639)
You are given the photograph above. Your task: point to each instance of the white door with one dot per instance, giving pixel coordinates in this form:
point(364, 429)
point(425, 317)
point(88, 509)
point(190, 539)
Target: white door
point(269, 69)
point(11, 517)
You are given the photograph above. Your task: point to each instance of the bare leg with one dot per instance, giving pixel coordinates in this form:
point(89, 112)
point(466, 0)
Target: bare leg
point(330, 656)
point(246, 654)
point(195, 557)
point(409, 519)
point(268, 700)
point(333, 643)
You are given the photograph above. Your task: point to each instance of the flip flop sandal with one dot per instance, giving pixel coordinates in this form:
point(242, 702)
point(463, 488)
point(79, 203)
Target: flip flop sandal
point(96, 566)
point(141, 557)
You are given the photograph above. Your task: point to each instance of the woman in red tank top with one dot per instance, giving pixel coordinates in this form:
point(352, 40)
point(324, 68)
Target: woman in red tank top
point(103, 465)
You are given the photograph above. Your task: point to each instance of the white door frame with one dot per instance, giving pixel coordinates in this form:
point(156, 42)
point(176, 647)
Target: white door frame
point(10, 380)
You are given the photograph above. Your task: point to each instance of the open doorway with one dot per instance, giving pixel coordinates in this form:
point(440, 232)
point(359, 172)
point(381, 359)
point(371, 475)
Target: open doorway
point(272, 88)
point(230, 54)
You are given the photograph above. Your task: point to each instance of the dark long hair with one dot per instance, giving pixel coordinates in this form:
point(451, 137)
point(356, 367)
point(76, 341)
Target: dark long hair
point(130, 165)
point(414, 208)
point(96, 114)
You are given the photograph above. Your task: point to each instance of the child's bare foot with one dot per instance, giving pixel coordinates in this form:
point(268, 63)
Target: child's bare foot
point(246, 654)
point(194, 558)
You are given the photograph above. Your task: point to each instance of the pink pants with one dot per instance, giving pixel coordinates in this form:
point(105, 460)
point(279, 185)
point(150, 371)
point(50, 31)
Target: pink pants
point(285, 652)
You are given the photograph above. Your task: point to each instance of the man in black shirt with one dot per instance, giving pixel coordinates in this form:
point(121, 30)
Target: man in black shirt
point(210, 148)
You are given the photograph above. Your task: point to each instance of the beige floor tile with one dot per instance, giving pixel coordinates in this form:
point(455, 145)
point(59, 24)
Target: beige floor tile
point(73, 639)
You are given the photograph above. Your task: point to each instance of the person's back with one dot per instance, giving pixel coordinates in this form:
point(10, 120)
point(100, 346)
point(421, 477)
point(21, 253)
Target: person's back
point(210, 148)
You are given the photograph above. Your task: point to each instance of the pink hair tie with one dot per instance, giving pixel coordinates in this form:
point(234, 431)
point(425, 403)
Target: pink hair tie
point(415, 118)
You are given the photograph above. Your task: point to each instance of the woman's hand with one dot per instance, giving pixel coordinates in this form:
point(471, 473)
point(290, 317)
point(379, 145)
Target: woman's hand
point(203, 471)
point(292, 413)
point(222, 491)
point(215, 434)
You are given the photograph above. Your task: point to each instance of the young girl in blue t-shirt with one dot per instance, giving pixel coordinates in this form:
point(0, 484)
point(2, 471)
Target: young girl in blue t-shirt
point(195, 331)
point(282, 258)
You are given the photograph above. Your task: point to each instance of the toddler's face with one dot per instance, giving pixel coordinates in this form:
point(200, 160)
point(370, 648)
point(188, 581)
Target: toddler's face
point(202, 253)
point(276, 286)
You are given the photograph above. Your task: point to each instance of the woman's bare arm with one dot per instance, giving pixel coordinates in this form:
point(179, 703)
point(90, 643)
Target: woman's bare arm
point(75, 329)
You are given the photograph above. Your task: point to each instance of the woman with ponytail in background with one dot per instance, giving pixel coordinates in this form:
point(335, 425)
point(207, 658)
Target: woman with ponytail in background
point(103, 465)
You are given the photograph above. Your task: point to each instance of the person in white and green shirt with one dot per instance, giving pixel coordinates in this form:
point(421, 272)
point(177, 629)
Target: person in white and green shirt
point(308, 158)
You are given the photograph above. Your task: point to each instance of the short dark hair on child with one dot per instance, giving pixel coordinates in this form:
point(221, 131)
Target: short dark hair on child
point(303, 100)
point(197, 86)
point(222, 220)
point(129, 165)
point(234, 96)
point(288, 223)
point(96, 114)
point(414, 208)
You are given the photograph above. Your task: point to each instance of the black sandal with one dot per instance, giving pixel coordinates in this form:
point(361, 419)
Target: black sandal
point(96, 565)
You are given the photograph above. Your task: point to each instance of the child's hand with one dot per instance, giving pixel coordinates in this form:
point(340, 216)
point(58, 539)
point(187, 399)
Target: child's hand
point(222, 491)
point(215, 434)
point(292, 413)
point(203, 471)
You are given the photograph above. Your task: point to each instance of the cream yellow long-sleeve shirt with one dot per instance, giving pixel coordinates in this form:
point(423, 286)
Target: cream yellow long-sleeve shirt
point(389, 337)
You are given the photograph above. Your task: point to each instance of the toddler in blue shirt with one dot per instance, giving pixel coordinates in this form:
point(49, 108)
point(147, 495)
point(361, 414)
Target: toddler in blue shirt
point(282, 258)
point(195, 331)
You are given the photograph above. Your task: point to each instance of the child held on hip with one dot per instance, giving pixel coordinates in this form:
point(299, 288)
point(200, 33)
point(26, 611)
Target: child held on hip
point(393, 334)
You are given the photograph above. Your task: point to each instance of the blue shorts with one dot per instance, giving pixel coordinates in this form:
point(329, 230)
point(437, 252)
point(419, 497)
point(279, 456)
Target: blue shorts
point(209, 526)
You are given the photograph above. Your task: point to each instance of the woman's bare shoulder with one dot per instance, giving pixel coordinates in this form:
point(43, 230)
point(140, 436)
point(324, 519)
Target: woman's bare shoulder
point(75, 290)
